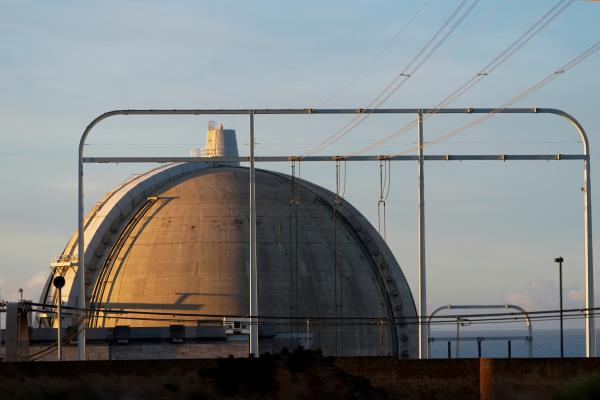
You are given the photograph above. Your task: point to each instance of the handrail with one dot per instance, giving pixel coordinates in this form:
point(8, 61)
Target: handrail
point(483, 307)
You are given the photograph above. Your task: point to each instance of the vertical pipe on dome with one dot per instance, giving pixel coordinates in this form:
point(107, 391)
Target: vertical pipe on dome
point(253, 350)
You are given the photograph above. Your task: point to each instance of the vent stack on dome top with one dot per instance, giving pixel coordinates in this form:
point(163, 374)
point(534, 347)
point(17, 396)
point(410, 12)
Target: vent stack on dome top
point(220, 142)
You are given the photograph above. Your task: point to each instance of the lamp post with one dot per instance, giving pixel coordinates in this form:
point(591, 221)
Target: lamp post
point(560, 260)
point(59, 282)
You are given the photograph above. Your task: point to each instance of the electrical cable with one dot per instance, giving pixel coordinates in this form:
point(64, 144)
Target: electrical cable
point(382, 230)
point(409, 70)
point(509, 315)
point(525, 93)
point(474, 318)
point(441, 320)
point(374, 59)
point(496, 62)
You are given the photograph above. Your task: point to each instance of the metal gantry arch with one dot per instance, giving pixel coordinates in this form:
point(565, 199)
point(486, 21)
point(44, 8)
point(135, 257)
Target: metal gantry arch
point(590, 339)
point(521, 311)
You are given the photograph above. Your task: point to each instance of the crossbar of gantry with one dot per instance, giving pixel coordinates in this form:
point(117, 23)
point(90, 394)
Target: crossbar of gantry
point(590, 339)
point(433, 157)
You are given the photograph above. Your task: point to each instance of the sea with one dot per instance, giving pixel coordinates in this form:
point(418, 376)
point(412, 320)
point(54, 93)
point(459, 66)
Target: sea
point(546, 343)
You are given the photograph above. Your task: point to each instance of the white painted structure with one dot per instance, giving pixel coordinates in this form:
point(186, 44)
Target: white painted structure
point(220, 142)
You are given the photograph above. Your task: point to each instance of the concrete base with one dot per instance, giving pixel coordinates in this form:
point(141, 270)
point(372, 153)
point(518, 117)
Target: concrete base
point(302, 375)
point(145, 351)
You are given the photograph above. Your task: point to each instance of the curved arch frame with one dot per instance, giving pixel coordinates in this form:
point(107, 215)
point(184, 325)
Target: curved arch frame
point(590, 339)
point(484, 307)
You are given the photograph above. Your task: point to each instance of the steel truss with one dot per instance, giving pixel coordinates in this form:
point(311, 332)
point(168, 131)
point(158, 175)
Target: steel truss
point(590, 338)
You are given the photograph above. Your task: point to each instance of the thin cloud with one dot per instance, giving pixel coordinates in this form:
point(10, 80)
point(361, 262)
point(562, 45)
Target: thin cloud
point(543, 295)
point(32, 287)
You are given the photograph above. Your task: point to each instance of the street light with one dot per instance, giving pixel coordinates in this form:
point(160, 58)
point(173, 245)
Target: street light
point(59, 283)
point(560, 260)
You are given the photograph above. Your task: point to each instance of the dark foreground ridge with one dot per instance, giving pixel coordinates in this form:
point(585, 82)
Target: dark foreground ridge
point(303, 375)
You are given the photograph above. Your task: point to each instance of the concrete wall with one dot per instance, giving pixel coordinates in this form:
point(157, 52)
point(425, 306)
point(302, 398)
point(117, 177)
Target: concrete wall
point(485, 379)
point(287, 377)
point(418, 379)
point(538, 378)
point(145, 351)
point(295, 376)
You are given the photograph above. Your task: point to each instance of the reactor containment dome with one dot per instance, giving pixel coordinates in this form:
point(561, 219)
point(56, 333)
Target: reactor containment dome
point(175, 242)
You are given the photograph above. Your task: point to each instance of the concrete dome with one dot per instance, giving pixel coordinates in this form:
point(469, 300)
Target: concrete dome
point(181, 246)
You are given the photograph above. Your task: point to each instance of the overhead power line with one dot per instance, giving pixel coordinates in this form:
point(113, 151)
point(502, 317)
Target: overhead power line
point(377, 56)
point(48, 308)
point(525, 93)
point(179, 317)
point(490, 67)
point(439, 37)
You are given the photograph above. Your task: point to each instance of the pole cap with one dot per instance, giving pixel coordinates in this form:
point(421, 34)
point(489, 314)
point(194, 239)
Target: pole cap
point(58, 282)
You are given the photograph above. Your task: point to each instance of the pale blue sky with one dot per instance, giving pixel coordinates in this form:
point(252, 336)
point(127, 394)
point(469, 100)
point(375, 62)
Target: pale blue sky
point(493, 228)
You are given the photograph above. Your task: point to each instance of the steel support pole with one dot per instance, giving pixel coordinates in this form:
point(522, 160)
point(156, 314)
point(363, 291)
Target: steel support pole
point(80, 260)
point(253, 272)
point(59, 332)
point(457, 337)
point(423, 340)
point(590, 331)
point(560, 283)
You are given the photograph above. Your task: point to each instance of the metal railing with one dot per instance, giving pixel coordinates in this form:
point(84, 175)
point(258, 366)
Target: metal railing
point(590, 340)
point(521, 312)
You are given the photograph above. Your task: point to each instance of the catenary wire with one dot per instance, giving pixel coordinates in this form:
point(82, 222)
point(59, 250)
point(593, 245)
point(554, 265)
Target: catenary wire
point(377, 56)
point(491, 66)
point(525, 93)
point(409, 70)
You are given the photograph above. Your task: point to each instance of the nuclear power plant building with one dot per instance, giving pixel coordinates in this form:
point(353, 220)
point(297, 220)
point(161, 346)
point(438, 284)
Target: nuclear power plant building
point(167, 270)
